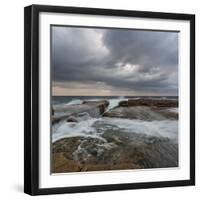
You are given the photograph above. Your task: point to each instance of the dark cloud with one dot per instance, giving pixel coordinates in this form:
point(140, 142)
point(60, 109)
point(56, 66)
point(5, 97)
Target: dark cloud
point(129, 60)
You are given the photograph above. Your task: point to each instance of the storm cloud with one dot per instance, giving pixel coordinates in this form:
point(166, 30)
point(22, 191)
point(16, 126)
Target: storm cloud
point(88, 61)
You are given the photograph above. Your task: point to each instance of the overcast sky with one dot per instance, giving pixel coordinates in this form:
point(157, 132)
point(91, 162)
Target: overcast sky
point(117, 62)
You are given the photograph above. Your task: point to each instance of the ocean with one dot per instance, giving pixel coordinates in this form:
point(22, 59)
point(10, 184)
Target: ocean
point(99, 138)
point(74, 99)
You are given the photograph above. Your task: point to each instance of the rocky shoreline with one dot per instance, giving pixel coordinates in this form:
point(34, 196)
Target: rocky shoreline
point(116, 149)
point(93, 108)
point(118, 153)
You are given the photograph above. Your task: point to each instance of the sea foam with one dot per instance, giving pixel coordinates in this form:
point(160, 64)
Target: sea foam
point(88, 128)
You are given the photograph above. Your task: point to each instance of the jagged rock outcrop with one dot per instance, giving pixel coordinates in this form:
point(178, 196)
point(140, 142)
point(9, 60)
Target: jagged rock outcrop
point(93, 108)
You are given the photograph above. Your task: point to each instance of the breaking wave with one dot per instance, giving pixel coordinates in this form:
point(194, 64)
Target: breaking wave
point(113, 102)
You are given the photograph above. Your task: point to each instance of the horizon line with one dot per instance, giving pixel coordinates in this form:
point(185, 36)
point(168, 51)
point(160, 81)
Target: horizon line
point(114, 95)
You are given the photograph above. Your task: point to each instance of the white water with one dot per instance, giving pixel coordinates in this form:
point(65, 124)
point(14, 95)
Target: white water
point(86, 125)
point(74, 102)
point(175, 110)
point(86, 128)
point(113, 102)
point(164, 128)
point(73, 129)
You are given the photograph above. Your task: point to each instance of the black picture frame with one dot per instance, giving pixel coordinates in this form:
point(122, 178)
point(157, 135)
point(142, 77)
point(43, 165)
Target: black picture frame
point(31, 98)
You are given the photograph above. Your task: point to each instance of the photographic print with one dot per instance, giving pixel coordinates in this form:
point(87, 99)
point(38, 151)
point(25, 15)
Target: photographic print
point(109, 99)
point(114, 99)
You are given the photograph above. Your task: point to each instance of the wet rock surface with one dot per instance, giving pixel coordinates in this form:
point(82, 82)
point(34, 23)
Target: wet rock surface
point(115, 151)
point(149, 102)
point(141, 113)
point(93, 108)
point(109, 145)
point(144, 109)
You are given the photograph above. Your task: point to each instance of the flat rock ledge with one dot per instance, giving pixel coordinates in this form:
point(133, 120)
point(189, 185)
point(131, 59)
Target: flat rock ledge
point(141, 113)
point(149, 103)
point(120, 152)
point(144, 109)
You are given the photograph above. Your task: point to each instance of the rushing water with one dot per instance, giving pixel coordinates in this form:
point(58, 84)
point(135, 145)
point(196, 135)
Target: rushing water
point(86, 124)
point(108, 131)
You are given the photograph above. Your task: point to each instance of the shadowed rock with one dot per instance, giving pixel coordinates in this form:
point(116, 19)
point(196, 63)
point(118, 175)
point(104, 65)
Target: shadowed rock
point(102, 105)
